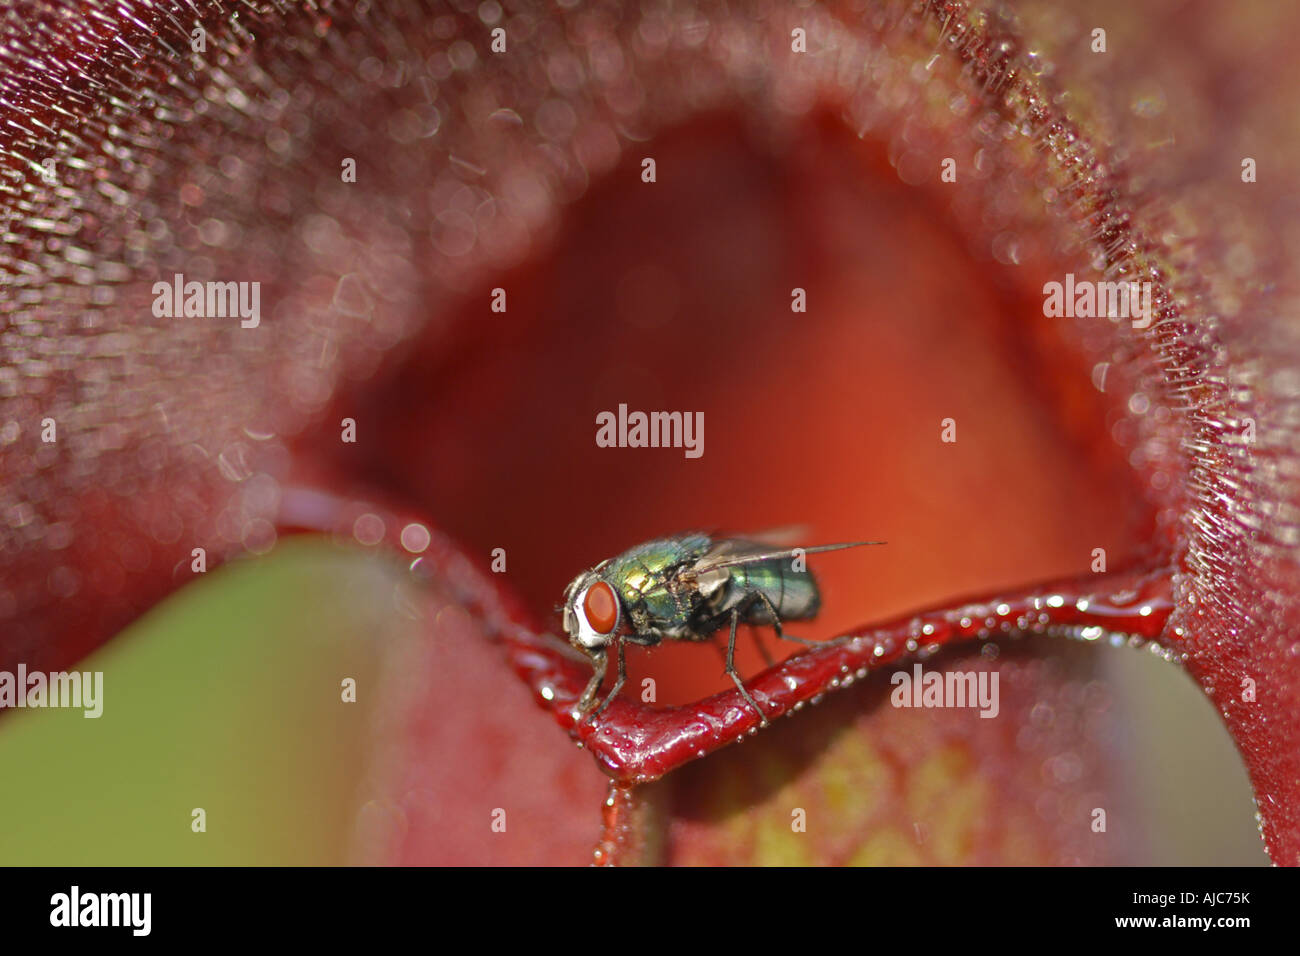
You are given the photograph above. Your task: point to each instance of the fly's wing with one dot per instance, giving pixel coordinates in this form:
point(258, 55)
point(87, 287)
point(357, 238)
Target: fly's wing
point(710, 571)
point(737, 551)
point(769, 572)
point(701, 573)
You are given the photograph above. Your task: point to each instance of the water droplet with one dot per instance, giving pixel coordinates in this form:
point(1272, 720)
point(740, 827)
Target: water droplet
point(415, 539)
point(368, 529)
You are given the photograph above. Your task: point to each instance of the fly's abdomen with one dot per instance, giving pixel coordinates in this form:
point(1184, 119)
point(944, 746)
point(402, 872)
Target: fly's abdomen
point(793, 593)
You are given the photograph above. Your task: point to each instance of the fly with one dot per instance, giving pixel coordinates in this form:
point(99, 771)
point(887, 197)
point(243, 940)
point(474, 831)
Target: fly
point(686, 588)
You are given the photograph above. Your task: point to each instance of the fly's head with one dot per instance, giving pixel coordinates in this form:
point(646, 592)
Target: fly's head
point(593, 613)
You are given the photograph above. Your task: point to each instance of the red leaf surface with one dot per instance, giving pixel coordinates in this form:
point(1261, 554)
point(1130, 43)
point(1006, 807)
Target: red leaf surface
point(778, 171)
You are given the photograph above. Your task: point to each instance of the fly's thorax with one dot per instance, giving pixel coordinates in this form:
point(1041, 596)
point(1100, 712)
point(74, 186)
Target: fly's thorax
point(654, 582)
point(644, 568)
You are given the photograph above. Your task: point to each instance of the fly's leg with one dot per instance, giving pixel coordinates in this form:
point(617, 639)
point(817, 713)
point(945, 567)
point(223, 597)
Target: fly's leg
point(731, 667)
point(618, 683)
point(758, 642)
point(776, 622)
point(598, 665)
point(717, 646)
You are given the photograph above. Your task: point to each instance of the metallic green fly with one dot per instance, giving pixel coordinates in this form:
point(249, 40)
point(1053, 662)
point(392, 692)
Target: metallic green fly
point(686, 588)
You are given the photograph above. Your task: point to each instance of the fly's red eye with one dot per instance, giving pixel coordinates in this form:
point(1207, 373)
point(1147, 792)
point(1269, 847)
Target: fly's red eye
point(601, 607)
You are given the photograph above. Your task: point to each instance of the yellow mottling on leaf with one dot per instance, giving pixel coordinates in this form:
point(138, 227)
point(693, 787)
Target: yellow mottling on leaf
point(951, 800)
point(776, 844)
point(854, 781)
point(887, 847)
point(943, 792)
